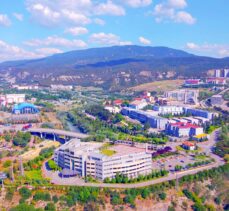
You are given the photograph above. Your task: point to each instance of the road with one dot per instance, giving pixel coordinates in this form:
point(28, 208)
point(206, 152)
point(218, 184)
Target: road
point(55, 179)
point(58, 132)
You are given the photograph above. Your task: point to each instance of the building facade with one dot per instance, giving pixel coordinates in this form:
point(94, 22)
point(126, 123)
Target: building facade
point(199, 112)
point(25, 108)
point(188, 96)
point(180, 129)
point(143, 117)
point(84, 159)
point(168, 109)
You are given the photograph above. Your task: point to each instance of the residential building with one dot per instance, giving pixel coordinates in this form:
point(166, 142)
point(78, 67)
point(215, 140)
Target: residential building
point(217, 81)
point(168, 109)
point(112, 109)
point(188, 96)
point(144, 116)
point(218, 73)
point(221, 73)
point(11, 99)
point(180, 129)
point(199, 112)
point(187, 145)
point(138, 104)
point(85, 159)
point(192, 82)
point(26, 87)
point(117, 102)
point(60, 87)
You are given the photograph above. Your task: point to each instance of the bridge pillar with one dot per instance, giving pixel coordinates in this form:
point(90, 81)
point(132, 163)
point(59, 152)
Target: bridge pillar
point(54, 137)
point(41, 135)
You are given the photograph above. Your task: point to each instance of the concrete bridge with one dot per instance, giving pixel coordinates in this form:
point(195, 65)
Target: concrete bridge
point(55, 134)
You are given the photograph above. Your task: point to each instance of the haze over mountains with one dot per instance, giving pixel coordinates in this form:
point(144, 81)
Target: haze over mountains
point(112, 67)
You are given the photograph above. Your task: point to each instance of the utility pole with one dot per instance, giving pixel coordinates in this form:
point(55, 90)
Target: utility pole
point(12, 173)
point(21, 167)
point(177, 183)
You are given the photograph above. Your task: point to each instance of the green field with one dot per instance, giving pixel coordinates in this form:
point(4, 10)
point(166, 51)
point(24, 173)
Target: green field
point(34, 174)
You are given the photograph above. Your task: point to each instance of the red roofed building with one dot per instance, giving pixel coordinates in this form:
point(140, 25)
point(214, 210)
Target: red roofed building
point(117, 102)
point(192, 82)
point(188, 145)
point(215, 80)
point(181, 129)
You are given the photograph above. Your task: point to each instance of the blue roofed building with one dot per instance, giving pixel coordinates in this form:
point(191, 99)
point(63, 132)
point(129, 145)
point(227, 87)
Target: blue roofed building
point(25, 108)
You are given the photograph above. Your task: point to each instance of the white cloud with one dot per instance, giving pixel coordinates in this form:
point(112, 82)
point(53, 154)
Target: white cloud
point(76, 18)
point(13, 52)
point(109, 8)
point(137, 3)
point(107, 39)
point(77, 12)
point(99, 21)
point(18, 16)
point(48, 51)
point(215, 50)
point(170, 11)
point(179, 4)
point(4, 20)
point(57, 41)
point(144, 41)
point(77, 31)
point(184, 17)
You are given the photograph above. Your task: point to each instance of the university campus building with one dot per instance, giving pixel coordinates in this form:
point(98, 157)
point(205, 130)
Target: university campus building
point(85, 159)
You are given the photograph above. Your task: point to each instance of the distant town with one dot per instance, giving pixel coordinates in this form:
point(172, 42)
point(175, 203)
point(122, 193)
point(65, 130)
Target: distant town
point(65, 135)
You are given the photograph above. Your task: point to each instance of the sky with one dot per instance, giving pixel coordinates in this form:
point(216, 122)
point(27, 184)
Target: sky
point(39, 28)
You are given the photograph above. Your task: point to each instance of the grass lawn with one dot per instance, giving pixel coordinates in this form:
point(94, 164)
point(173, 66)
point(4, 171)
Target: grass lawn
point(201, 157)
point(34, 174)
point(107, 152)
point(180, 148)
point(158, 86)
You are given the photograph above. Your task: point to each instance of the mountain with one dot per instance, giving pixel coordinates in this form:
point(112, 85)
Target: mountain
point(112, 67)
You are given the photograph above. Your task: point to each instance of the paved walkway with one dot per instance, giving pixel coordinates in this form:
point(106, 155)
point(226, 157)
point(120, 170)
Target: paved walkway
point(55, 179)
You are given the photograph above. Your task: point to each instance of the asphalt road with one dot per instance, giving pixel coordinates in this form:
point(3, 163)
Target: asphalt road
point(207, 147)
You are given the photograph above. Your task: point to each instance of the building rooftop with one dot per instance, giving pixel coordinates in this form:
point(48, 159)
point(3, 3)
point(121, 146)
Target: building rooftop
point(23, 105)
point(184, 125)
point(188, 143)
point(203, 135)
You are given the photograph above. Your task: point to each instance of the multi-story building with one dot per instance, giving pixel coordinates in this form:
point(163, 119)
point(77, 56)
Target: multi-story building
point(168, 109)
point(221, 73)
point(143, 117)
point(85, 159)
point(15, 98)
point(183, 95)
point(138, 104)
point(180, 129)
point(199, 112)
point(216, 81)
point(192, 82)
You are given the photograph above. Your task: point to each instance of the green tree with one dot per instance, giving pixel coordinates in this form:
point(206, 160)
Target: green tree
point(50, 207)
point(25, 193)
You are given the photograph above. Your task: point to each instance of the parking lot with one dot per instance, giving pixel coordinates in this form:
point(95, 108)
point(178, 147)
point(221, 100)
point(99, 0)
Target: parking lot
point(169, 163)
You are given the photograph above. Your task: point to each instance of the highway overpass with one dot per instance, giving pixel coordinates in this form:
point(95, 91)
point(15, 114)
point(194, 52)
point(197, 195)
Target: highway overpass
point(56, 134)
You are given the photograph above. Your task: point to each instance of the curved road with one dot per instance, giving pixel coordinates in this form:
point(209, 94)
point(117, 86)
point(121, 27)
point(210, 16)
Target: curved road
point(55, 179)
